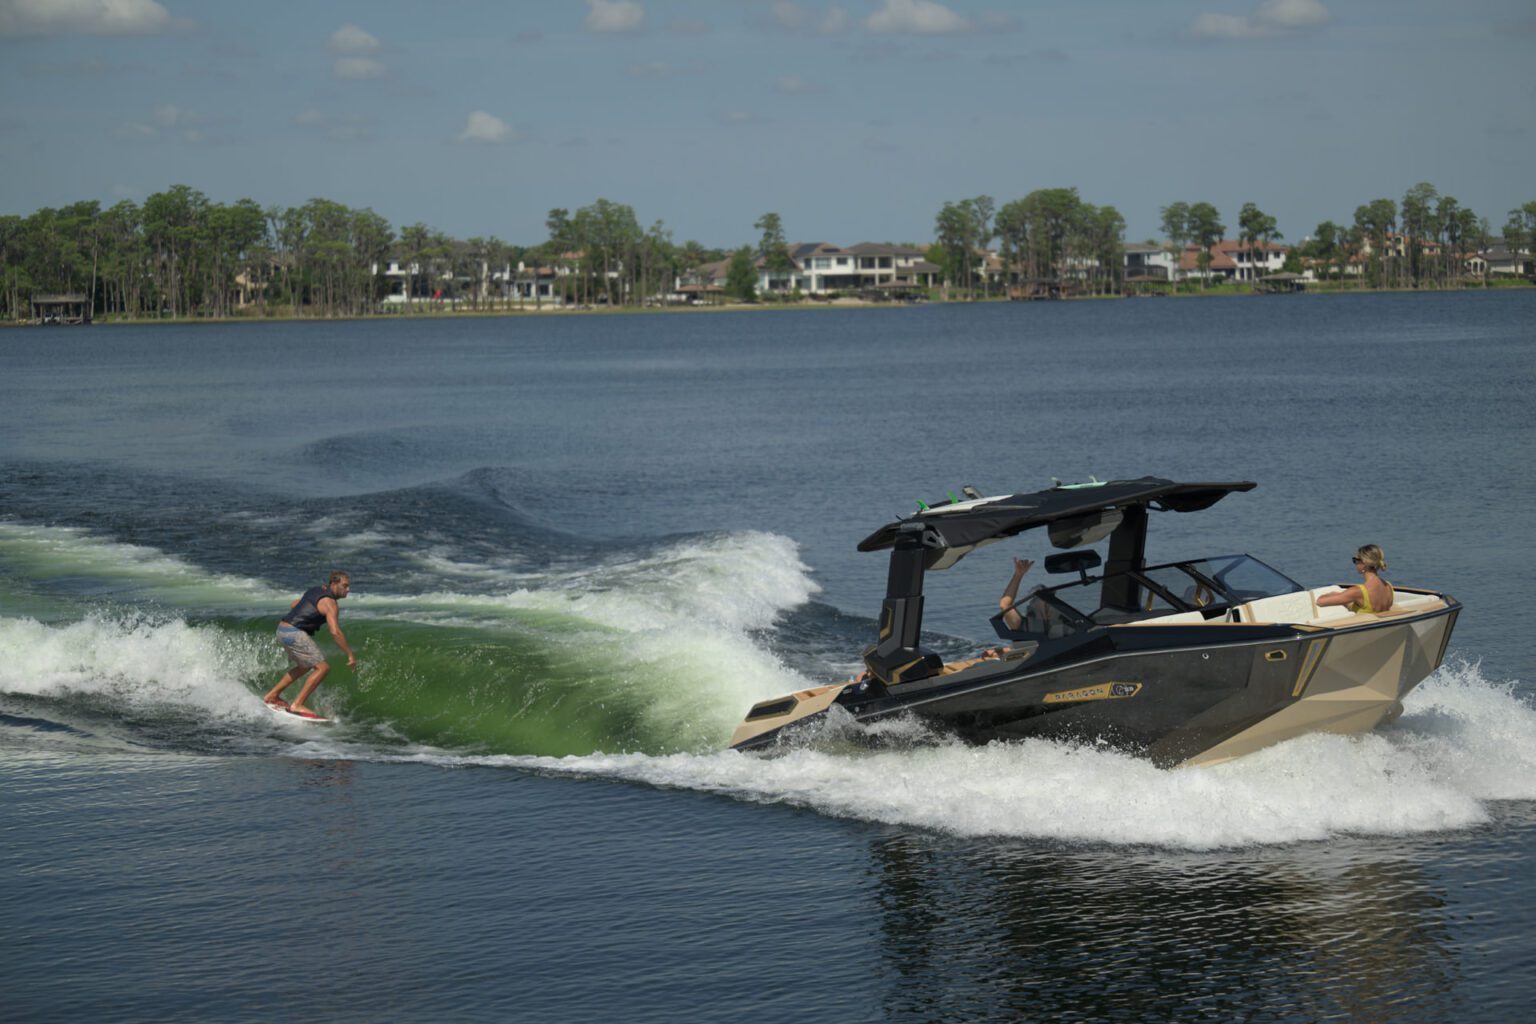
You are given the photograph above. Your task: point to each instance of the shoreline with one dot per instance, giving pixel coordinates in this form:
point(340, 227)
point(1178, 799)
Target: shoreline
point(745, 307)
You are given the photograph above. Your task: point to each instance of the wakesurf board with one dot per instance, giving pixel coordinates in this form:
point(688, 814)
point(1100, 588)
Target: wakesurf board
point(281, 711)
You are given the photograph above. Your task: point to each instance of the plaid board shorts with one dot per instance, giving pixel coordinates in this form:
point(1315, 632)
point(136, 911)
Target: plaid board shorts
point(299, 646)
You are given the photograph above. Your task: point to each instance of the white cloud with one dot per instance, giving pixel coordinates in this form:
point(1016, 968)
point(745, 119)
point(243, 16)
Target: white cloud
point(169, 116)
point(1272, 18)
point(486, 129)
point(742, 117)
point(358, 68)
point(336, 127)
point(654, 69)
point(791, 17)
point(664, 69)
point(1292, 13)
point(1221, 26)
point(614, 15)
point(136, 131)
point(166, 121)
point(353, 40)
point(920, 17)
point(794, 85)
point(86, 17)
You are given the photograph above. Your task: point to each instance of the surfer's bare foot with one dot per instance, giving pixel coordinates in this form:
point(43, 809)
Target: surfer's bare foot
point(276, 702)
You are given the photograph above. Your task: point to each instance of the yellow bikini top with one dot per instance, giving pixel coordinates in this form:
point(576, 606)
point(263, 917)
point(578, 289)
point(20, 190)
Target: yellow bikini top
point(1364, 604)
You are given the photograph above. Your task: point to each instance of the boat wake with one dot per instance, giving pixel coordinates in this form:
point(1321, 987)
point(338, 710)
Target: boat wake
point(635, 662)
point(1462, 743)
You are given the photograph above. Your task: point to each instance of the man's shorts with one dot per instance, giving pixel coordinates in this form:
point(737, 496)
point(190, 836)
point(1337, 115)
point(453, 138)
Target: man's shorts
point(300, 646)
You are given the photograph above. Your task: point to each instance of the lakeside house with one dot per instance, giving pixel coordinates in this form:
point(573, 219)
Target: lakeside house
point(1498, 259)
point(1146, 262)
point(409, 281)
point(1233, 260)
point(819, 269)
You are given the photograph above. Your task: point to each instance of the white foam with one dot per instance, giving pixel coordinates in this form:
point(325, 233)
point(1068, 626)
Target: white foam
point(1462, 742)
point(737, 581)
point(1478, 735)
point(134, 661)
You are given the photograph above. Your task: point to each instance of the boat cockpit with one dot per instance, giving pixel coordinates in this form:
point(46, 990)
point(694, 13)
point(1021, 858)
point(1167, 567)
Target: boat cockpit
point(1192, 591)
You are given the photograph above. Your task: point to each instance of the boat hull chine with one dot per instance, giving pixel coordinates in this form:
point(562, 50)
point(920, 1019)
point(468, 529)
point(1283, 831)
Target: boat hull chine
point(1356, 680)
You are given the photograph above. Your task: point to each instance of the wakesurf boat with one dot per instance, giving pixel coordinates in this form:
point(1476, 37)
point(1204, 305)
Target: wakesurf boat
point(1187, 663)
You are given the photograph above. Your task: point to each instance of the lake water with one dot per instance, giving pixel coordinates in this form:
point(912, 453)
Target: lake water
point(582, 546)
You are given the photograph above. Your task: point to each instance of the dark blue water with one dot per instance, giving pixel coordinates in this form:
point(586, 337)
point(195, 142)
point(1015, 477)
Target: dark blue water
point(582, 546)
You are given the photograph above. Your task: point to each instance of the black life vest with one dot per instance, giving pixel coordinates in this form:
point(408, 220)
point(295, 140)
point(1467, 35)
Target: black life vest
point(306, 615)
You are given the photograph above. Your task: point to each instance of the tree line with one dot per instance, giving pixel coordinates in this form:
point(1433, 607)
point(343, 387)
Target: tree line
point(179, 254)
point(1423, 241)
point(1050, 234)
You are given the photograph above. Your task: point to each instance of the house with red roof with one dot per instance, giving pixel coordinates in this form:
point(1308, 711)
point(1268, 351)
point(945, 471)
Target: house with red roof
point(1234, 260)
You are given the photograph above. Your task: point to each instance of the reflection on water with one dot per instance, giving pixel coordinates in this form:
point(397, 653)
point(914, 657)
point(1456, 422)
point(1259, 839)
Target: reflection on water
point(1310, 933)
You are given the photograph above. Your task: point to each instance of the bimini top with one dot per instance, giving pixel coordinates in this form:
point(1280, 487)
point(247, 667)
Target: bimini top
point(1077, 514)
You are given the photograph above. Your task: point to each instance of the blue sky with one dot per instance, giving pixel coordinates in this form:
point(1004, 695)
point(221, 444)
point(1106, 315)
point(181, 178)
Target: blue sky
point(853, 120)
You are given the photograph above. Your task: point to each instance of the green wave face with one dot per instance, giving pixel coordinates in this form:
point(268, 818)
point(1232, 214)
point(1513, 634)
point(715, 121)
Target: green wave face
point(484, 690)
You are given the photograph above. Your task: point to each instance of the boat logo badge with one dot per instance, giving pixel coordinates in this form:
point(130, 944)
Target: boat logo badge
point(1102, 691)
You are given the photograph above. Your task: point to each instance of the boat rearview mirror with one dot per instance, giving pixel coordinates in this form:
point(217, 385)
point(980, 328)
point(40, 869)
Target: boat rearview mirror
point(1073, 561)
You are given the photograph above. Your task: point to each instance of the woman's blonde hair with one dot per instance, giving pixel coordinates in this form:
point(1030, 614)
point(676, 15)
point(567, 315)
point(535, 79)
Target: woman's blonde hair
point(1370, 557)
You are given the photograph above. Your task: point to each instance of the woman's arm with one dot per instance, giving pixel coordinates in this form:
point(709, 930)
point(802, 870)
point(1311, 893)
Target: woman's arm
point(1344, 596)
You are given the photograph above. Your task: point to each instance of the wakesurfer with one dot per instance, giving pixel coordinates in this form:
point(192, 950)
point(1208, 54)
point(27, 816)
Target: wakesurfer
point(316, 607)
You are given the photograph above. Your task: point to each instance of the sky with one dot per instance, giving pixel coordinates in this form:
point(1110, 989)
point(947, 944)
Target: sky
point(854, 121)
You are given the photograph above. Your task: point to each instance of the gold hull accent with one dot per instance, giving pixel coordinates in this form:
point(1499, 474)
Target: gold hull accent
point(1348, 683)
point(807, 703)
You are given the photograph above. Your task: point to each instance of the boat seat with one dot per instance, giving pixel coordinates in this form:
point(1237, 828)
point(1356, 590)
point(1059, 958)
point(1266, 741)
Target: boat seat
point(1299, 607)
point(1175, 619)
point(1016, 653)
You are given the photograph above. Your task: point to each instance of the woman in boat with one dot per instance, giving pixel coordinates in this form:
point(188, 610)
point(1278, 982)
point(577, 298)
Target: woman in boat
point(1372, 596)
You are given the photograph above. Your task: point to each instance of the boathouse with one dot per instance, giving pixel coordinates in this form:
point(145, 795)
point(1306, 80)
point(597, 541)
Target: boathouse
point(61, 309)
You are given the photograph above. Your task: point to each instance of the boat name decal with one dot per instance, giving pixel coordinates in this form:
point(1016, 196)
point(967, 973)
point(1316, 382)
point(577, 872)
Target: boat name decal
point(1100, 691)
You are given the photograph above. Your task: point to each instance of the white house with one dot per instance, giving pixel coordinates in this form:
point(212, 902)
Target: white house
point(1232, 259)
point(820, 268)
point(1149, 261)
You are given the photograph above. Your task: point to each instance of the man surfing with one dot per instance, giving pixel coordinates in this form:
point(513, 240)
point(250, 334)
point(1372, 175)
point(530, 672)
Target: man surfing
point(296, 635)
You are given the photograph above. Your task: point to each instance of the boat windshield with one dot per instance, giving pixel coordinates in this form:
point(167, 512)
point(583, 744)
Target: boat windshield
point(1209, 586)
